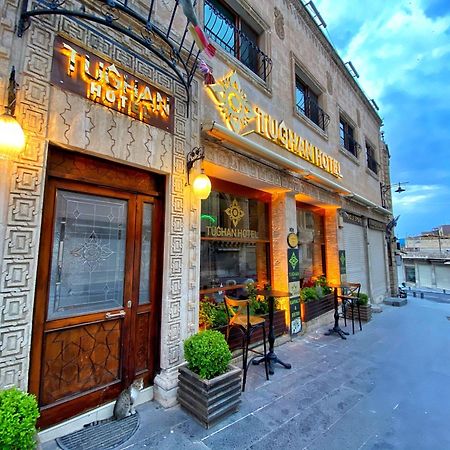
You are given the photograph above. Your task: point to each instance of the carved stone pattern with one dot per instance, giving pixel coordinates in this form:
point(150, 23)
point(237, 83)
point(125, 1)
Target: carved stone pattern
point(229, 159)
point(25, 204)
point(279, 23)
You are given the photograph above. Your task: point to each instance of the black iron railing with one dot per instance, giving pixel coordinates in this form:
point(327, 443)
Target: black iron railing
point(171, 46)
point(372, 163)
point(235, 42)
point(311, 109)
point(351, 145)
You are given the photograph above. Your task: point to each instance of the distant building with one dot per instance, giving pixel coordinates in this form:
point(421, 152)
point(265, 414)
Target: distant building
point(425, 259)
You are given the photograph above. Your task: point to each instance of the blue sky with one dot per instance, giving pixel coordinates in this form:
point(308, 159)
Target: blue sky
point(401, 50)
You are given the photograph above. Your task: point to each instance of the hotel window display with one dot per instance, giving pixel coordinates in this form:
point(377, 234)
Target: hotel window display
point(234, 243)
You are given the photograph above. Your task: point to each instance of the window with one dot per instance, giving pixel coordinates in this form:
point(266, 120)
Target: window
point(311, 233)
point(234, 242)
point(346, 133)
point(307, 103)
point(372, 163)
point(236, 37)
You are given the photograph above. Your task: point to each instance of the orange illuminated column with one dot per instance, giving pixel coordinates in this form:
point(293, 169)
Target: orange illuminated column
point(283, 218)
point(331, 246)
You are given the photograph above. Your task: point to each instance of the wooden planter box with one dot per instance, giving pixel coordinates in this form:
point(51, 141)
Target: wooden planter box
point(365, 310)
point(316, 308)
point(209, 401)
point(279, 325)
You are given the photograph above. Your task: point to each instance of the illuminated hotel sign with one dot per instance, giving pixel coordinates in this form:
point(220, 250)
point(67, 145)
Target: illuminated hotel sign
point(235, 214)
point(239, 114)
point(83, 73)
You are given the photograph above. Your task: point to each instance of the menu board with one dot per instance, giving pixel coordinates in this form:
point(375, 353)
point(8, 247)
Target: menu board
point(296, 320)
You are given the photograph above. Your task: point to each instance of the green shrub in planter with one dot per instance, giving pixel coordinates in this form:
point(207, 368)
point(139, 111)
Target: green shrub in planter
point(308, 294)
point(363, 299)
point(207, 353)
point(18, 414)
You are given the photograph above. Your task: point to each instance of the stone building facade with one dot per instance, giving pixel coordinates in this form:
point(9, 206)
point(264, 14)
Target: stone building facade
point(310, 174)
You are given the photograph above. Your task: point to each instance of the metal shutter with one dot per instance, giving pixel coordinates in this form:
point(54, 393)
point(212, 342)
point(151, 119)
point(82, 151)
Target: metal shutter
point(442, 276)
point(355, 255)
point(424, 272)
point(377, 265)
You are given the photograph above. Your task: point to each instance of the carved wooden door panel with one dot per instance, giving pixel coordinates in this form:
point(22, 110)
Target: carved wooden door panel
point(94, 322)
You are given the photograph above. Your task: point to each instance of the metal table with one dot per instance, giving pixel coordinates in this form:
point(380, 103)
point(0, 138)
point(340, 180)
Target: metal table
point(336, 329)
point(271, 357)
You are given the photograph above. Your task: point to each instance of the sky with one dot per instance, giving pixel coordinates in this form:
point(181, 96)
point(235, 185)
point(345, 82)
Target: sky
point(401, 50)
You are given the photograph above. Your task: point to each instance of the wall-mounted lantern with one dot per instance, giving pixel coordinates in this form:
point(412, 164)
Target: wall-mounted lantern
point(201, 186)
point(12, 137)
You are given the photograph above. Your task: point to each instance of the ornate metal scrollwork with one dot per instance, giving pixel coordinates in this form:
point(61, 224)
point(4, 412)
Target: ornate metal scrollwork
point(179, 56)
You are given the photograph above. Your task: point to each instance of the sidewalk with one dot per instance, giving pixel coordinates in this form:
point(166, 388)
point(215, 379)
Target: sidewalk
point(386, 387)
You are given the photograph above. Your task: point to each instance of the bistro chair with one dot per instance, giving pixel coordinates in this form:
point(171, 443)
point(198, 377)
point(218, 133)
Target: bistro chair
point(238, 312)
point(349, 298)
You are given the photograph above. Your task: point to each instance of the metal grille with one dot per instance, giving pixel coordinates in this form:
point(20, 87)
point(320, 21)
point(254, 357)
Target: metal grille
point(236, 42)
point(311, 109)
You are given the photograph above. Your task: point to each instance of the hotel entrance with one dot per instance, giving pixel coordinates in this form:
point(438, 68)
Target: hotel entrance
point(99, 284)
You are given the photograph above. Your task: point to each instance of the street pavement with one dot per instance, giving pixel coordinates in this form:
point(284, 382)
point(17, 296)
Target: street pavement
point(386, 387)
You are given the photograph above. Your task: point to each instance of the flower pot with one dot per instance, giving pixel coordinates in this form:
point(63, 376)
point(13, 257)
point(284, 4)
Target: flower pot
point(316, 308)
point(209, 401)
point(365, 311)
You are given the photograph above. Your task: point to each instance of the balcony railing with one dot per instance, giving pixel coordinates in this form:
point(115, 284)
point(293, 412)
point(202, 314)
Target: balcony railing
point(351, 145)
point(236, 42)
point(311, 109)
point(372, 163)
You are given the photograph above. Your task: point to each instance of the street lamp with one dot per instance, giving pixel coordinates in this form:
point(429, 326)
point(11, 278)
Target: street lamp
point(386, 187)
point(12, 137)
point(201, 186)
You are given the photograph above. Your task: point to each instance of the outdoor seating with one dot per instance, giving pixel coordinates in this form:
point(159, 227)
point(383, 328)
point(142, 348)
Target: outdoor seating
point(349, 299)
point(238, 312)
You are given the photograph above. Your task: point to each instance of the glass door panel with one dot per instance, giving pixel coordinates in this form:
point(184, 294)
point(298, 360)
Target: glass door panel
point(146, 251)
point(88, 255)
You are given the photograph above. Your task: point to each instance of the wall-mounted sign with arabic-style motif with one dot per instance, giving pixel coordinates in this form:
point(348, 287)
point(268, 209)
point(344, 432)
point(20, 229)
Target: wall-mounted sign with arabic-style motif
point(83, 73)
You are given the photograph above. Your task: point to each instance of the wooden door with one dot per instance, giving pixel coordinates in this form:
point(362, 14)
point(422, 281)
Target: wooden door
point(95, 324)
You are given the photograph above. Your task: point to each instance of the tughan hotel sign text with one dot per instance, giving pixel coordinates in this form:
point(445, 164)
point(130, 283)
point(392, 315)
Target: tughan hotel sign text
point(239, 115)
point(83, 73)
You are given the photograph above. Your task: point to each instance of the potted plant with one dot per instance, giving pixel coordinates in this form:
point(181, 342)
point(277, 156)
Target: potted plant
point(209, 388)
point(316, 298)
point(365, 308)
point(18, 415)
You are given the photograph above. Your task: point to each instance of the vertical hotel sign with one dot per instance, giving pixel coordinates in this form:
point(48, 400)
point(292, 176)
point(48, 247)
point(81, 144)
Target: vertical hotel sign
point(83, 73)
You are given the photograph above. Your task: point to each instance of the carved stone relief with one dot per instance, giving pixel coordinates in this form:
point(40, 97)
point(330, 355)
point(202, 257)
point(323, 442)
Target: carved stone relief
point(279, 23)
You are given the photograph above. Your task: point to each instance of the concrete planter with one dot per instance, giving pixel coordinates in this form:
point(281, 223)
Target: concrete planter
point(316, 308)
point(365, 311)
point(209, 401)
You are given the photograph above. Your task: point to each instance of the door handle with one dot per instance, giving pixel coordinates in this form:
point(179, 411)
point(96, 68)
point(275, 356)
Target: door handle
point(117, 315)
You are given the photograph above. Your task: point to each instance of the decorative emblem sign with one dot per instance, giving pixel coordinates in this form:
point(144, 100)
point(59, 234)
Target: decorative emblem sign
point(234, 212)
point(232, 101)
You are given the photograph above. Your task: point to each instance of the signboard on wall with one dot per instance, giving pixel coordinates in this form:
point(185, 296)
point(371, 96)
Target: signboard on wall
point(81, 72)
point(342, 262)
point(293, 265)
point(294, 310)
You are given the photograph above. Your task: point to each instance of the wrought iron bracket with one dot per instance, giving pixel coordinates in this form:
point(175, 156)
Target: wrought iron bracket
point(171, 48)
point(196, 154)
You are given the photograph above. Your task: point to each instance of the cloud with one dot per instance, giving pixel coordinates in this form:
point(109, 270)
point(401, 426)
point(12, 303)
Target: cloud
point(401, 50)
